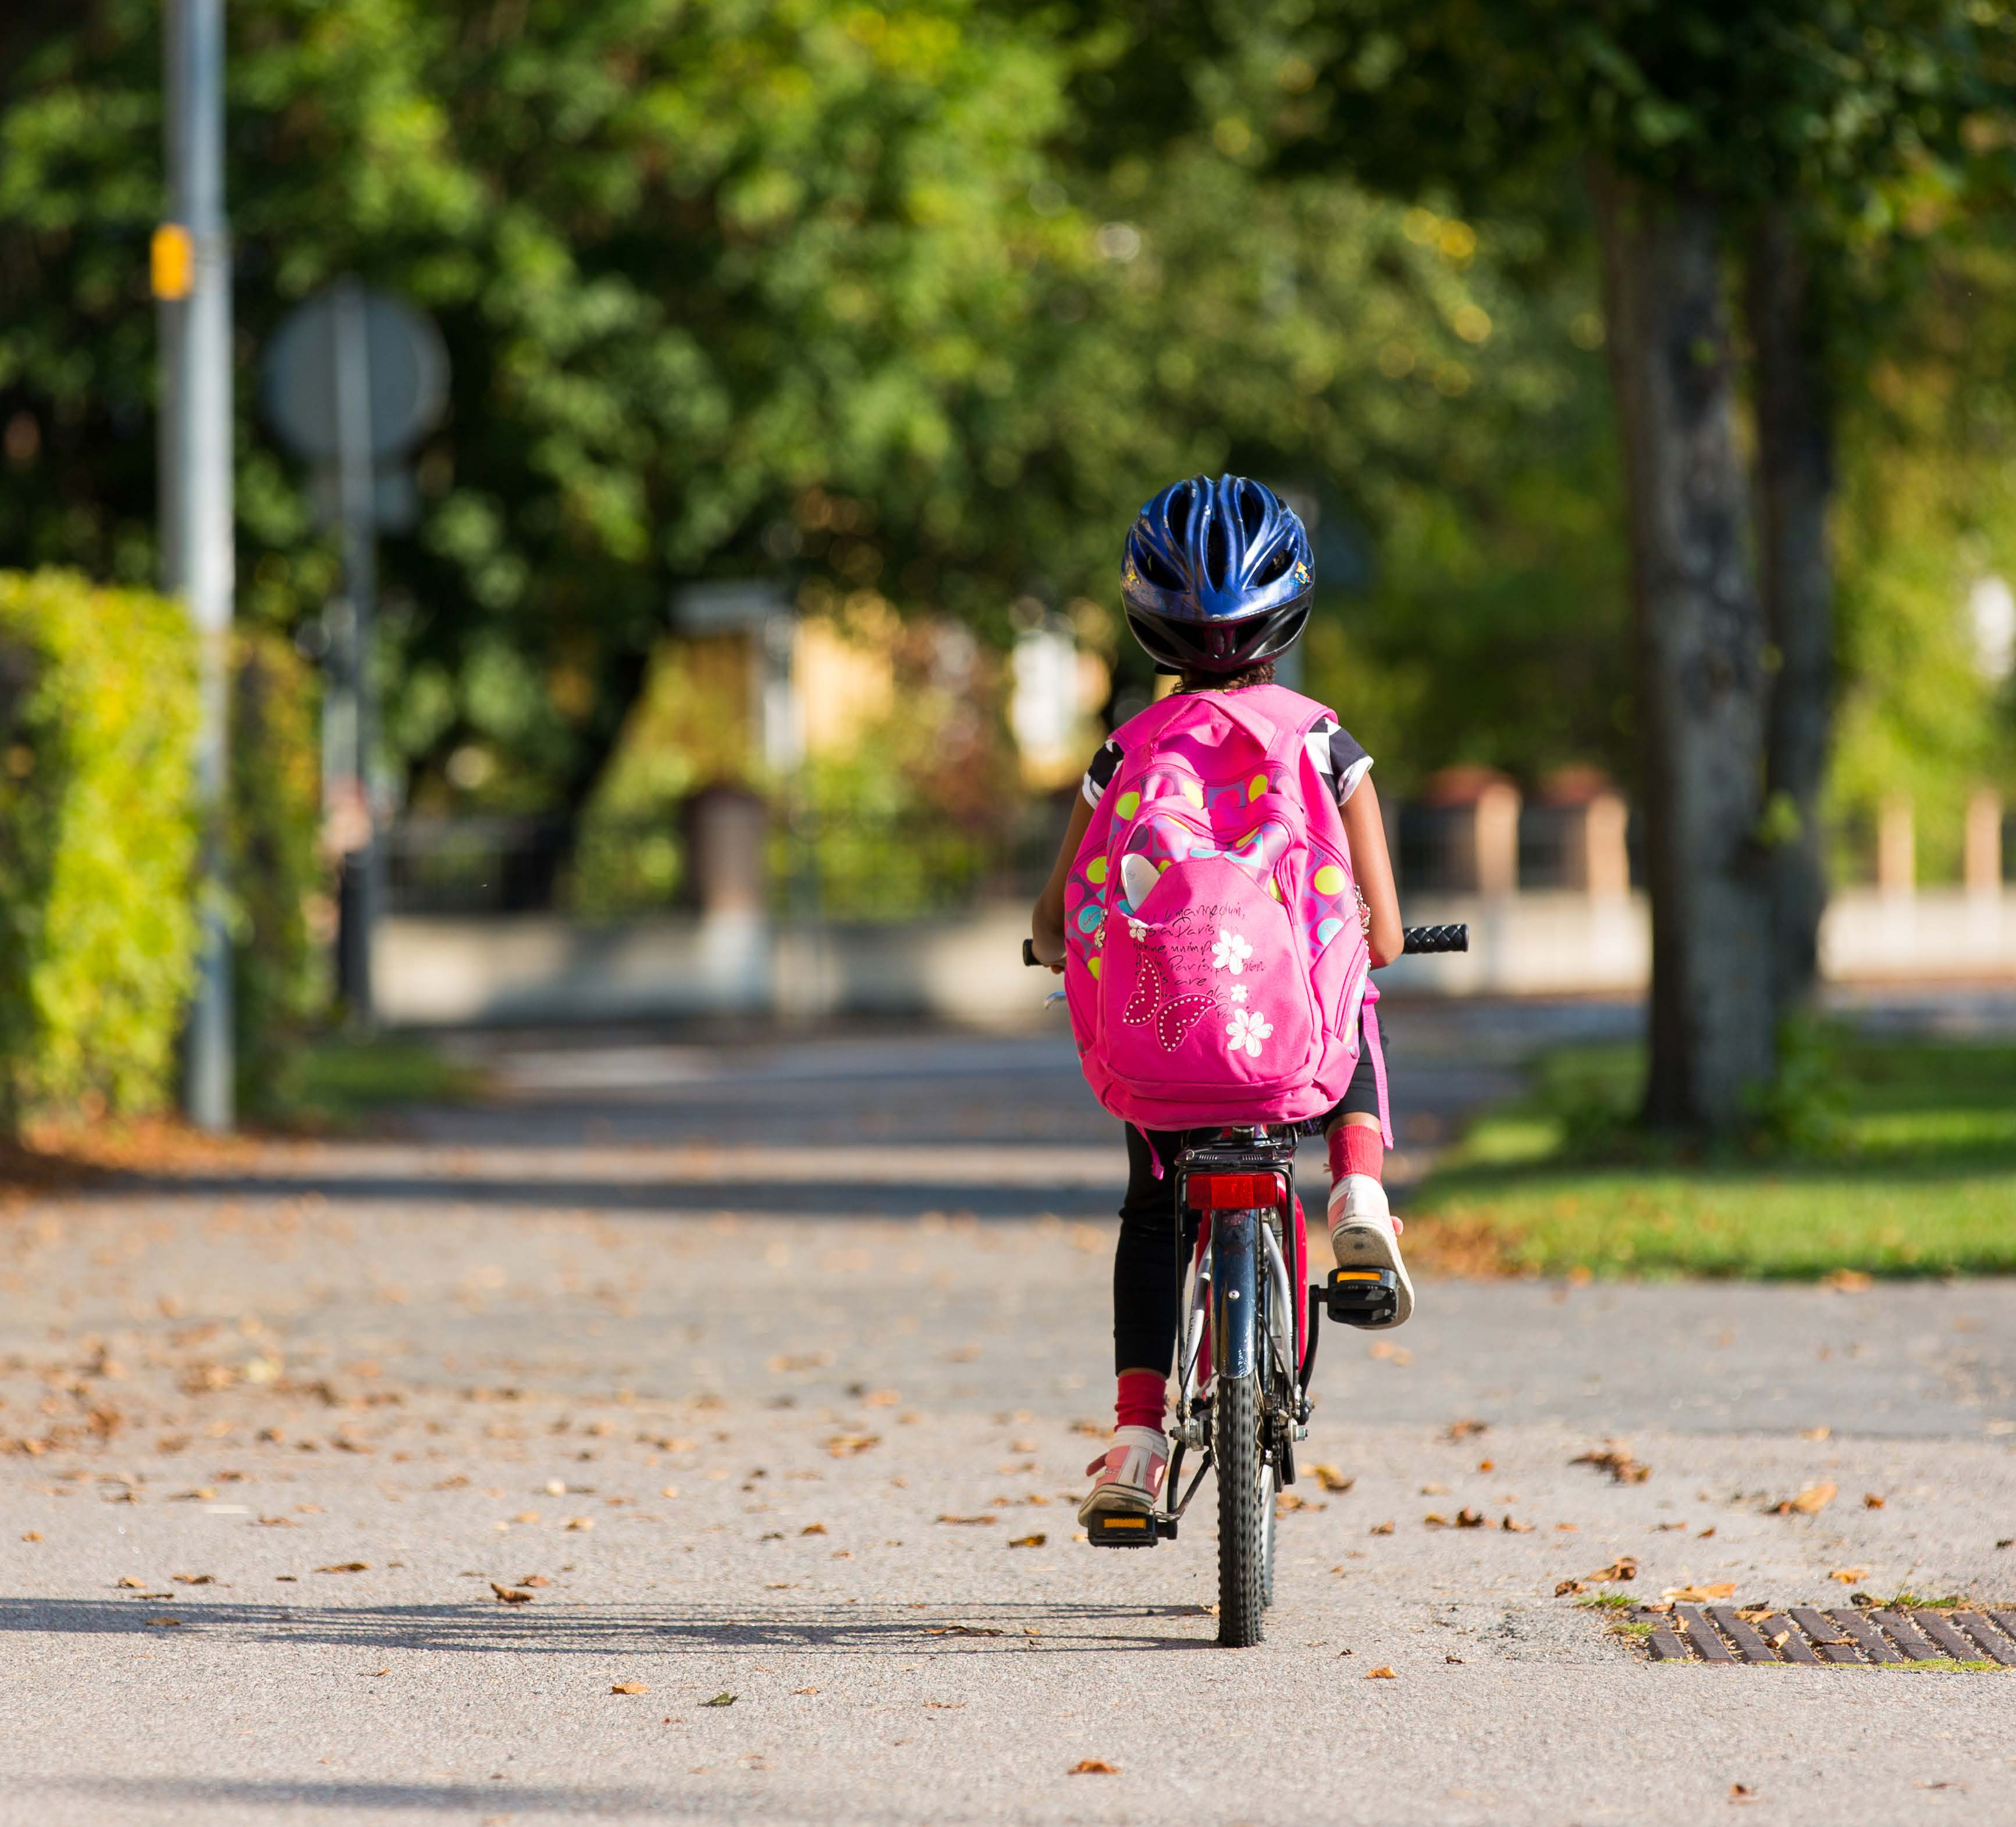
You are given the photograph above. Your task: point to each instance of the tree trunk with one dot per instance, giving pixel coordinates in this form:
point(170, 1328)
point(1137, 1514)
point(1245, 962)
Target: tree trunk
point(1699, 654)
point(1794, 484)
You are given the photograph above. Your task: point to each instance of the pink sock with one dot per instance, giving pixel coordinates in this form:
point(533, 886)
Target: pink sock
point(1140, 1399)
point(1355, 1148)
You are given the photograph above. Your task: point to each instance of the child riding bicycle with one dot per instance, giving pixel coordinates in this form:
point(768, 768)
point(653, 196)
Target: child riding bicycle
point(1221, 894)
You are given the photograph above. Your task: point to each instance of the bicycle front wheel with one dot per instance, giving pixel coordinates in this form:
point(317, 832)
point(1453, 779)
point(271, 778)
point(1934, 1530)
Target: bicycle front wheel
point(1244, 1508)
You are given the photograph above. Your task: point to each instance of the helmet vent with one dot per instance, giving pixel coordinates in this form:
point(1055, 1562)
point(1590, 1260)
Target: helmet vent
point(1182, 500)
point(1156, 569)
point(1216, 554)
point(1252, 509)
point(1276, 565)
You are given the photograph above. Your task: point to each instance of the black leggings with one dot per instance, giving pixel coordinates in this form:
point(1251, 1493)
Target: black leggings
point(1145, 1286)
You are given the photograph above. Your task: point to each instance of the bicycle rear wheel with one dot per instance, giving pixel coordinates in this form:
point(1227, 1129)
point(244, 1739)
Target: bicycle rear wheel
point(1243, 1505)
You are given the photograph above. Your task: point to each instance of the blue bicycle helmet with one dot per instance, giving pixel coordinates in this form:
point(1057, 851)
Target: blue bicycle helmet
point(1218, 576)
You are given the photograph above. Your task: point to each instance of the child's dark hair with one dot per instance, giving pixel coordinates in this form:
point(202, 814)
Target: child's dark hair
point(1262, 674)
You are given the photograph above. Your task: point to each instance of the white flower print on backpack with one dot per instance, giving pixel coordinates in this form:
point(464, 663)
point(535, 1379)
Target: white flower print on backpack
point(1231, 952)
point(1246, 1029)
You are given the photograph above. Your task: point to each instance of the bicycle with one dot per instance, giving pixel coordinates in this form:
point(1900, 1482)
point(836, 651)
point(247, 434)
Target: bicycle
point(1248, 1346)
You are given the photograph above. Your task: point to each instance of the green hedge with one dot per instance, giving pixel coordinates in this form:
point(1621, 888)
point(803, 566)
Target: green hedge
point(97, 844)
point(98, 849)
point(279, 977)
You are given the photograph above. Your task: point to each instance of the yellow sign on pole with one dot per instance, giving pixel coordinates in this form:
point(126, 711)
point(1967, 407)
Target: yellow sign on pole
point(173, 261)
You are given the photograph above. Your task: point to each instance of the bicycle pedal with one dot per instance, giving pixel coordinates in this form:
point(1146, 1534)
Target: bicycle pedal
point(1362, 1297)
point(1128, 1529)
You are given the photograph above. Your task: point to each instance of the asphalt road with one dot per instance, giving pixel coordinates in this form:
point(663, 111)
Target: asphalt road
point(771, 1372)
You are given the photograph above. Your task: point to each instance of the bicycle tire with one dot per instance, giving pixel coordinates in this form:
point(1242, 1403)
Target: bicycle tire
point(1235, 1445)
point(1270, 1534)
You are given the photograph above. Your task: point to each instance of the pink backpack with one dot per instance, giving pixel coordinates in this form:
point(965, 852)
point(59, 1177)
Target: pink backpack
point(1215, 963)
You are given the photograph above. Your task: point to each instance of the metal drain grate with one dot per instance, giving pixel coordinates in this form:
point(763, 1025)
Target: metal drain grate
point(1800, 1634)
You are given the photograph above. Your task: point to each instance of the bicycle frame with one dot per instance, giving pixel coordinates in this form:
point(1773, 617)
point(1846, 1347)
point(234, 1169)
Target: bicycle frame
point(1241, 1315)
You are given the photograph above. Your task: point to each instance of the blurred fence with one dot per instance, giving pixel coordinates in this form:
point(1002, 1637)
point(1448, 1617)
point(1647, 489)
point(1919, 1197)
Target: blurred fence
point(850, 867)
point(860, 867)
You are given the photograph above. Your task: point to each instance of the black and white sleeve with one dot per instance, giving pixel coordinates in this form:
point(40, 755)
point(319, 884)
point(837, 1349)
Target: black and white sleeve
point(1098, 776)
point(1338, 754)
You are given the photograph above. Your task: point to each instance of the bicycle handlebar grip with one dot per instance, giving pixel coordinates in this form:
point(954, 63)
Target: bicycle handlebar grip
point(1437, 938)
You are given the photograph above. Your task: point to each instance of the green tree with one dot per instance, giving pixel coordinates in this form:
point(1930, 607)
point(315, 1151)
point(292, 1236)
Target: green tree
point(1788, 129)
point(770, 285)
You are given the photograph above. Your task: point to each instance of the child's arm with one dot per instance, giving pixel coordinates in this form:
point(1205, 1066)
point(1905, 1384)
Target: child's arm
point(1369, 863)
point(1046, 926)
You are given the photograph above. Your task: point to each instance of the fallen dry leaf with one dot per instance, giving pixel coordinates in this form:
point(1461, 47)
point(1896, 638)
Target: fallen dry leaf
point(636, 1688)
point(1809, 1502)
point(1035, 1540)
point(1742, 1792)
point(881, 1399)
point(987, 1518)
point(963, 1631)
point(1096, 1430)
point(164, 1620)
point(1381, 1529)
point(1623, 1567)
point(194, 1579)
point(799, 1360)
point(1847, 1575)
point(1289, 1500)
point(851, 1445)
point(1568, 1587)
point(526, 1516)
point(1816, 1433)
point(346, 1567)
point(1700, 1594)
point(723, 1699)
point(813, 1528)
point(1385, 1349)
point(1461, 1430)
point(1381, 1673)
point(1847, 1281)
point(1871, 1501)
point(804, 1690)
point(1514, 1528)
point(1331, 1479)
point(1469, 1518)
point(578, 1523)
point(372, 1674)
point(1435, 1519)
point(33, 1535)
point(133, 1581)
point(534, 1579)
point(507, 1595)
point(1615, 1459)
point(1093, 1767)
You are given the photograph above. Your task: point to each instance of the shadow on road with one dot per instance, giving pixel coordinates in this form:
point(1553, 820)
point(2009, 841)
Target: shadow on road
point(861, 1630)
point(785, 1199)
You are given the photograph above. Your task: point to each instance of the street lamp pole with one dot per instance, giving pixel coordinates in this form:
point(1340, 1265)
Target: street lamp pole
point(192, 274)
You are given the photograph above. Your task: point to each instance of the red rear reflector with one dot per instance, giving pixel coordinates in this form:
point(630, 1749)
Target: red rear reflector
point(1235, 1192)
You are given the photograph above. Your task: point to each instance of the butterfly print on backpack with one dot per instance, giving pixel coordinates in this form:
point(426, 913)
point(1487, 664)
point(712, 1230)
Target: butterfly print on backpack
point(1174, 1017)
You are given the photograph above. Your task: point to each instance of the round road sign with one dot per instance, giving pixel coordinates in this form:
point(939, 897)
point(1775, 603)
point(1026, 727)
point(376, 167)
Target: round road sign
point(408, 367)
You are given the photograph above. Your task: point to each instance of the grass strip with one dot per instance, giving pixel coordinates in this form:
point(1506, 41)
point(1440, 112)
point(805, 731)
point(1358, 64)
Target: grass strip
point(1892, 1160)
